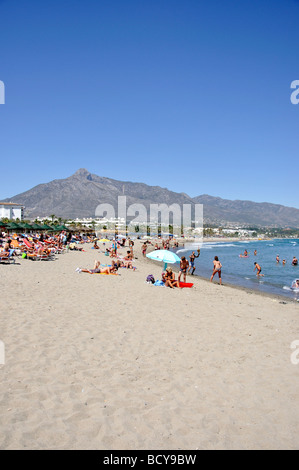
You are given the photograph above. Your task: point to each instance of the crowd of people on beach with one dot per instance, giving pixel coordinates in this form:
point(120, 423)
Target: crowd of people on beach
point(37, 246)
point(44, 246)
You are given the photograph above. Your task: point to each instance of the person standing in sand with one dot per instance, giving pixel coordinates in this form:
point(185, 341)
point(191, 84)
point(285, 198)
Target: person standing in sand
point(217, 269)
point(144, 248)
point(184, 265)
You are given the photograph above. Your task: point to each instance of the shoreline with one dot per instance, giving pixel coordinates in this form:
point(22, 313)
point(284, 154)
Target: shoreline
point(113, 363)
point(248, 290)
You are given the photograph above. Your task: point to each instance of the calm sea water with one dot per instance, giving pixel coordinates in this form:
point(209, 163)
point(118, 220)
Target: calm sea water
point(277, 278)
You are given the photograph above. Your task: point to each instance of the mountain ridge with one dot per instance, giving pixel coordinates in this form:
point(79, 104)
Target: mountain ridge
point(79, 194)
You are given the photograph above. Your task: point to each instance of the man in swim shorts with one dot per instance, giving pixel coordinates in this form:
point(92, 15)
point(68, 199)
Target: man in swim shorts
point(184, 265)
point(258, 269)
point(192, 260)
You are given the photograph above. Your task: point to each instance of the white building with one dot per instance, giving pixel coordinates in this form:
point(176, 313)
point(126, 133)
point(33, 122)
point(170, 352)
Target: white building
point(10, 210)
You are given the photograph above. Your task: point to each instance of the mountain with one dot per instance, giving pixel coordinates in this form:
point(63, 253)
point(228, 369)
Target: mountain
point(260, 214)
point(80, 194)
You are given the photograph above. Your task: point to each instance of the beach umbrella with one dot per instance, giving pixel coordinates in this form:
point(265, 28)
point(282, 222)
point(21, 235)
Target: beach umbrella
point(58, 228)
point(104, 240)
point(36, 226)
point(165, 256)
point(26, 226)
point(14, 226)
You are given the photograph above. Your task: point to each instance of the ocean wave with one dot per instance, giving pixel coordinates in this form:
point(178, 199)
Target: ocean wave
point(216, 245)
point(290, 289)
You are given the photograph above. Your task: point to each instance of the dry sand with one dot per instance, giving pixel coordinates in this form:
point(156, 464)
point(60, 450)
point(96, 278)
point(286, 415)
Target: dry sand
point(110, 362)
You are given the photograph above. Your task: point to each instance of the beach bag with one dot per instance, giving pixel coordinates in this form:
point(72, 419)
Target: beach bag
point(159, 283)
point(150, 279)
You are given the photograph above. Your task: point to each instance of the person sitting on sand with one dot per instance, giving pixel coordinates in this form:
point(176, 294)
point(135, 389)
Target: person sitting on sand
point(128, 260)
point(169, 279)
point(258, 269)
point(95, 245)
point(217, 269)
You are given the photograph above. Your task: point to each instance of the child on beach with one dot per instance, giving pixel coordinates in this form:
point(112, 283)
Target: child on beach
point(217, 269)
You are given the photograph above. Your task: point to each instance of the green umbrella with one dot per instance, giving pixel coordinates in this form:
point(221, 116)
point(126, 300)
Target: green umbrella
point(3, 224)
point(46, 227)
point(26, 226)
point(37, 227)
point(14, 226)
point(56, 228)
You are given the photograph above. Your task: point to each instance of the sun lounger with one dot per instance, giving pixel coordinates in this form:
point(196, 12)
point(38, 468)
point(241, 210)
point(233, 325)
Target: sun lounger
point(9, 258)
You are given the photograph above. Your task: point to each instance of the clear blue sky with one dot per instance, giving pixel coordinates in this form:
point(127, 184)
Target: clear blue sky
point(190, 95)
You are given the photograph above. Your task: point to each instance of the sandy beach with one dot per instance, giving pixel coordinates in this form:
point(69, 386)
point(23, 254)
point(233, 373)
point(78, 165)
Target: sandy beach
point(111, 362)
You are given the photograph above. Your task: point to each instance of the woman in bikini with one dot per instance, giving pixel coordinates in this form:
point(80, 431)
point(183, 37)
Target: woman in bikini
point(217, 269)
point(169, 279)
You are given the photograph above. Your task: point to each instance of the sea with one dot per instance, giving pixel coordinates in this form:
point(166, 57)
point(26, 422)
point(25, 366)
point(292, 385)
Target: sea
point(239, 271)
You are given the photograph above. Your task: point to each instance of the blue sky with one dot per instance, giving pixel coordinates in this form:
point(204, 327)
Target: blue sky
point(190, 95)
